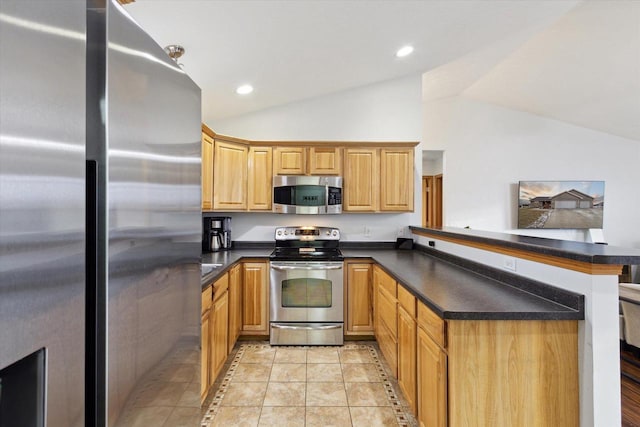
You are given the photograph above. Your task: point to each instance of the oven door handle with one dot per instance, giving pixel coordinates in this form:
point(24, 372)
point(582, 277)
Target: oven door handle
point(306, 328)
point(306, 267)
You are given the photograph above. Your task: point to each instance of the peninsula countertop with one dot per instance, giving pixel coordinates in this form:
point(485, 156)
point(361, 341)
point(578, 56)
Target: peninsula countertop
point(453, 291)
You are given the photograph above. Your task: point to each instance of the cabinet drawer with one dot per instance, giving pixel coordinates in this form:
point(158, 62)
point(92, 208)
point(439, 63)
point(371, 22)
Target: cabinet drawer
point(220, 286)
point(388, 312)
point(384, 281)
point(432, 324)
point(407, 301)
point(206, 299)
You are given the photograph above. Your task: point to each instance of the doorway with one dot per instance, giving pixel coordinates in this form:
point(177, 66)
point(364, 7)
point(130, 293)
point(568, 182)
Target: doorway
point(432, 180)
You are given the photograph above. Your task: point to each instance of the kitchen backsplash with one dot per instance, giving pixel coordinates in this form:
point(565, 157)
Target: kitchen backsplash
point(353, 227)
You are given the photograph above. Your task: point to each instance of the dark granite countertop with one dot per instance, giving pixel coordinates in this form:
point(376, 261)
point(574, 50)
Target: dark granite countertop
point(579, 251)
point(454, 289)
point(227, 259)
point(456, 292)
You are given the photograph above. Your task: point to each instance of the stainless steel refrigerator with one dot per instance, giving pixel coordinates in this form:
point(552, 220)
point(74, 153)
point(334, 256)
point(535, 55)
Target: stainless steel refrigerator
point(100, 223)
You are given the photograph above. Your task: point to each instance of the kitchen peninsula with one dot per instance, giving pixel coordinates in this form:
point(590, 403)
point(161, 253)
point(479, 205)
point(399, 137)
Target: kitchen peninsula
point(482, 320)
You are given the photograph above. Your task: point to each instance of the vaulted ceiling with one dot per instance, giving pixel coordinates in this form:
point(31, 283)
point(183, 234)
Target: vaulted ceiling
point(294, 50)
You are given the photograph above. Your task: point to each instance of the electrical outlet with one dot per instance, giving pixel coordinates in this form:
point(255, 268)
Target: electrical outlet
point(509, 263)
point(367, 231)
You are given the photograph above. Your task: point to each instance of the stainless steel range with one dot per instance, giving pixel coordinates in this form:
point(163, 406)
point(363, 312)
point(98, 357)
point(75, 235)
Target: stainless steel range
point(306, 287)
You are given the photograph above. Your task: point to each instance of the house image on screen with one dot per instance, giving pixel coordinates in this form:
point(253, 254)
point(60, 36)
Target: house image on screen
point(572, 199)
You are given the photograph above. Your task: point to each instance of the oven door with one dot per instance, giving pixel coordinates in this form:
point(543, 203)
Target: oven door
point(306, 291)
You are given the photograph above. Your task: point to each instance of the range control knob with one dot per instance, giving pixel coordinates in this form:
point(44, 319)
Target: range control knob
point(279, 232)
point(334, 233)
point(328, 232)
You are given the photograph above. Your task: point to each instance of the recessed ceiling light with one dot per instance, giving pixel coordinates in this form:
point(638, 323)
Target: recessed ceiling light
point(404, 51)
point(244, 90)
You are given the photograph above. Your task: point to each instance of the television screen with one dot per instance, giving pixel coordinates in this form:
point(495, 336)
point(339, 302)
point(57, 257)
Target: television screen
point(560, 204)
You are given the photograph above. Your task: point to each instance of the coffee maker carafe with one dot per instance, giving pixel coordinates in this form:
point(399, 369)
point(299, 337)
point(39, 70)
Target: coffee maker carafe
point(216, 233)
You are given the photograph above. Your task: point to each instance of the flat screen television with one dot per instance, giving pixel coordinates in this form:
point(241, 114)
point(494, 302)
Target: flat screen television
point(560, 204)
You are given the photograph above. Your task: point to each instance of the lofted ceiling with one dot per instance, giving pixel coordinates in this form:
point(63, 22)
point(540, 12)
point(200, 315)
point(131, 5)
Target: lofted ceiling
point(295, 50)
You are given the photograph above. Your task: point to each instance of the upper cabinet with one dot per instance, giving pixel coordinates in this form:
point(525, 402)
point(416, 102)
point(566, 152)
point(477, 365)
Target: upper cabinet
point(289, 160)
point(307, 160)
point(325, 161)
point(396, 179)
point(229, 176)
point(207, 172)
point(259, 191)
point(361, 166)
point(237, 174)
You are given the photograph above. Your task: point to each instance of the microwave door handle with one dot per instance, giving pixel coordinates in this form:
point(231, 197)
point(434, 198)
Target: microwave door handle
point(298, 267)
point(306, 328)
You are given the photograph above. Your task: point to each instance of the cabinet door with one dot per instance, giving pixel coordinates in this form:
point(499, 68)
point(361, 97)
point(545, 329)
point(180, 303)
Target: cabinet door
point(229, 176)
point(432, 383)
point(289, 160)
point(325, 161)
point(386, 328)
point(407, 356)
point(359, 299)
point(204, 355)
point(260, 179)
point(219, 329)
point(360, 186)
point(396, 179)
point(207, 172)
point(255, 298)
point(235, 306)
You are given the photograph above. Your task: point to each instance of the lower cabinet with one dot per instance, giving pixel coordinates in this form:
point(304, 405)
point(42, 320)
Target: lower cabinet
point(407, 336)
point(219, 333)
point(432, 382)
point(235, 305)
point(358, 298)
point(255, 298)
point(386, 317)
point(205, 313)
point(499, 373)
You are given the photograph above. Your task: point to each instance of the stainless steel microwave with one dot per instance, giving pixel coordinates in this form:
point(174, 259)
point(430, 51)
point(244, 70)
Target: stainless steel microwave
point(307, 194)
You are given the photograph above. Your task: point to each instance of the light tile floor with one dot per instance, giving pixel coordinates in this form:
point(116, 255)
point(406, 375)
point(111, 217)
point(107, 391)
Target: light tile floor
point(306, 386)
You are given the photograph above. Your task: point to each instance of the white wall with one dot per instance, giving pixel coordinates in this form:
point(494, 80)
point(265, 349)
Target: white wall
point(488, 149)
point(492, 139)
point(387, 111)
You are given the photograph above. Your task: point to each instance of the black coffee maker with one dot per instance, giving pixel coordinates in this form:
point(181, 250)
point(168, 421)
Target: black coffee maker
point(216, 233)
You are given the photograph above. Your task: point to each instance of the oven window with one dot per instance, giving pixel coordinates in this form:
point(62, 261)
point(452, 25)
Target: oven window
point(306, 292)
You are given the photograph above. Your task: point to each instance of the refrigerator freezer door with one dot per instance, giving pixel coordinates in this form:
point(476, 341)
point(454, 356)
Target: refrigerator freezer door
point(42, 214)
point(149, 202)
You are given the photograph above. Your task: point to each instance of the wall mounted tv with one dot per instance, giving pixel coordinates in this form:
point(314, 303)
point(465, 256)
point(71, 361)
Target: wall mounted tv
point(560, 204)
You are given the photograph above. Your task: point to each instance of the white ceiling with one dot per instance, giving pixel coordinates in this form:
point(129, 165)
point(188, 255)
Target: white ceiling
point(294, 50)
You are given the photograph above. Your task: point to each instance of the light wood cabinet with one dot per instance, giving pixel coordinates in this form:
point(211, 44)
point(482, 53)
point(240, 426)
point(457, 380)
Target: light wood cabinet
point(407, 335)
point(432, 383)
point(255, 298)
point(325, 161)
point(207, 172)
point(235, 305)
point(386, 317)
point(229, 176)
point(260, 179)
point(290, 160)
point(361, 185)
point(205, 314)
point(396, 179)
point(359, 299)
point(218, 326)
point(307, 160)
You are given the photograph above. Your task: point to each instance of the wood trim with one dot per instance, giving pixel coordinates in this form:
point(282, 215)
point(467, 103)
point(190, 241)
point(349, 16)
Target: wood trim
point(206, 129)
point(341, 144)
point(556, 261)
